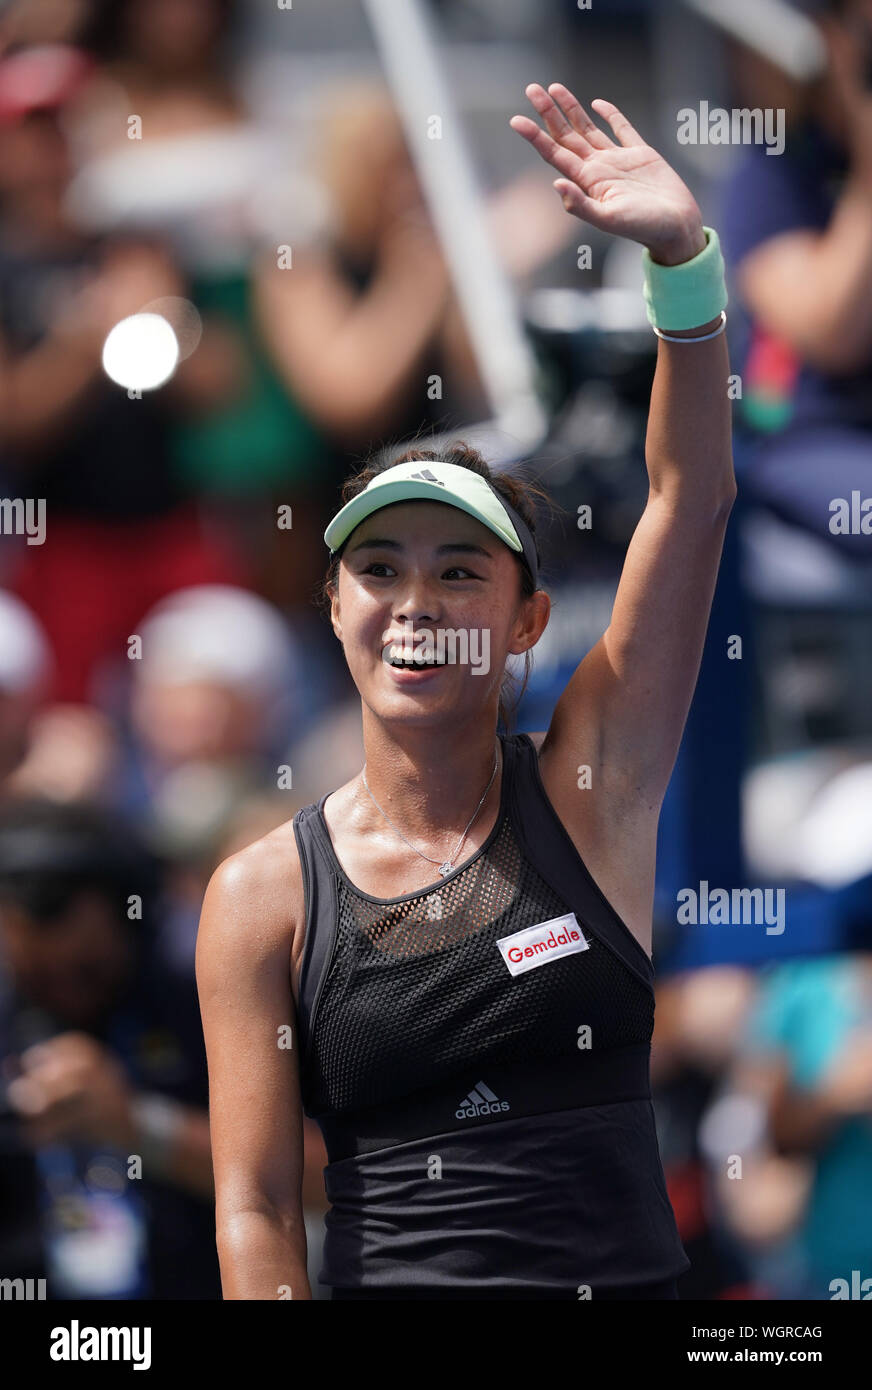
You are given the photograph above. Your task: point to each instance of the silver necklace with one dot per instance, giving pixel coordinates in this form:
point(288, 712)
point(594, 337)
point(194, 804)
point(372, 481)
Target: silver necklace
point(446, 865)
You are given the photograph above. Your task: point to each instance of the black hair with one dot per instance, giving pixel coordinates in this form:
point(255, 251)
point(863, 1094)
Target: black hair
point(519, 492)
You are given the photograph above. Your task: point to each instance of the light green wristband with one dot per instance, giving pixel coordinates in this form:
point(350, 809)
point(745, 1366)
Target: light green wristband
point(686, 295)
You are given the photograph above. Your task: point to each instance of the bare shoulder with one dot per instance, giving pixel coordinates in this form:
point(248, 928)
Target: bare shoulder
point(254, 904)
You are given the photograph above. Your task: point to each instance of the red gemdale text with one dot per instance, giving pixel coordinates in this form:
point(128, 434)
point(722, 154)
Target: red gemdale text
point(544, 942)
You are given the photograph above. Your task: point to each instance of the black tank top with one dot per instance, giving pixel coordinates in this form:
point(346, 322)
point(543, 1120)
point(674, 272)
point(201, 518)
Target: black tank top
point(476, 1055)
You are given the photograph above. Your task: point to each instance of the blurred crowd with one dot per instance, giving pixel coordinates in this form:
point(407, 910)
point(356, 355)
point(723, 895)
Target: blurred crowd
point(169, 690)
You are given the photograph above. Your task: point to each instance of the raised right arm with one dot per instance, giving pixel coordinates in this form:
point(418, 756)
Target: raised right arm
point(243, 965)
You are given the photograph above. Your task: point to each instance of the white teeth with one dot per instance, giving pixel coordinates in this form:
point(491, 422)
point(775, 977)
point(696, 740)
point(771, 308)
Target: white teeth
point(405, 656)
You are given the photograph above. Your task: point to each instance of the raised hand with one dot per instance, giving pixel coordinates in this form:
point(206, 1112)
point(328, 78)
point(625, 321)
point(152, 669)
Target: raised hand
point(626, 188)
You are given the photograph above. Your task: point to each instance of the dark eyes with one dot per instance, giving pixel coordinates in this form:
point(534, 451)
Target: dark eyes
point(452, 569)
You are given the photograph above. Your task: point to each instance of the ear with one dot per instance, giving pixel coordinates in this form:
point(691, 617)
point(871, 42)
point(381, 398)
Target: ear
point(531, 622)
point(333, 592)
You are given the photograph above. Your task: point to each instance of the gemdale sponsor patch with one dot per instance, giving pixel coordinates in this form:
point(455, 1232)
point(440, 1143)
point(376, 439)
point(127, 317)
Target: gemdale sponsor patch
point(546, 941)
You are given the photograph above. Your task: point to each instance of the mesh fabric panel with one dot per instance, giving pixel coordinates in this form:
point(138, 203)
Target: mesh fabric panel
point(416, 990)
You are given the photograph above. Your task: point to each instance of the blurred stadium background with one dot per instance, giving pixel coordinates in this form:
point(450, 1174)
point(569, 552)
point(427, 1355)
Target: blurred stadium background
point(259, 176)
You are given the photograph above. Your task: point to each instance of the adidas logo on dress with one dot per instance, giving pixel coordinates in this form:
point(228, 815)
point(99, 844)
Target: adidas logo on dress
point(480, 1101)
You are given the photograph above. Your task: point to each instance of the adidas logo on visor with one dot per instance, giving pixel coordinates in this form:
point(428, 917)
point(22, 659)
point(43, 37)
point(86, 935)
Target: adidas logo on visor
point(480, 1101)
point(427, 476)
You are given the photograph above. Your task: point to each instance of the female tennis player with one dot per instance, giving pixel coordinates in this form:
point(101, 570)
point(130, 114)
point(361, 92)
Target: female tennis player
point(446, 962)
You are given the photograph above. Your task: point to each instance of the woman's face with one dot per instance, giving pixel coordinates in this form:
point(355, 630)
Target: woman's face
point(426, 579)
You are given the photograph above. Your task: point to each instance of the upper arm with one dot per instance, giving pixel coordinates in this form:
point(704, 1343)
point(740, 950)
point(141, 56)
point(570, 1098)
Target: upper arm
point(624, 708)
point(243, 957)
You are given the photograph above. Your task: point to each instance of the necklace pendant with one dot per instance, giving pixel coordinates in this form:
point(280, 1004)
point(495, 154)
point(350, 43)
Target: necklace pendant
point(445, 868)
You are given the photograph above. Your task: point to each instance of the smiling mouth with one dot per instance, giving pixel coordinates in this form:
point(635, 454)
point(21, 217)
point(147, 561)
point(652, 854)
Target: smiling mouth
point(394, 656)
point(401, 664)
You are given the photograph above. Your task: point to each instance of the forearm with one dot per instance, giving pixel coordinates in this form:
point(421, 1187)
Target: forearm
point(688, 445)
point(381, 343)
point(349, 360)
point(262, 1256)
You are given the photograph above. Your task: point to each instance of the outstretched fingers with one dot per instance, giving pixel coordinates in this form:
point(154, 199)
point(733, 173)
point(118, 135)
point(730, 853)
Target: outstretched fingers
point(563, 160)
point(556, 123)
point(578, 117)
point(626, 133)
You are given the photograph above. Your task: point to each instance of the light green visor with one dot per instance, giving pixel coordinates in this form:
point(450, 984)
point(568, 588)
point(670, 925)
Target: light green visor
point(437, 482)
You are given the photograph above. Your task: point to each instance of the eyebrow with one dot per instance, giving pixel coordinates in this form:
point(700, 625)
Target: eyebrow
point(463, 547)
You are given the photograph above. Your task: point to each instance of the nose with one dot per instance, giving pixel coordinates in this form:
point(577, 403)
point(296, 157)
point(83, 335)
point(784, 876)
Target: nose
point(416, 603)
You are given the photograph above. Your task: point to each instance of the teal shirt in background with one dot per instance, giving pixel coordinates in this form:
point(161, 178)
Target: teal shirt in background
point(260, 443)
point(806, 1011)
